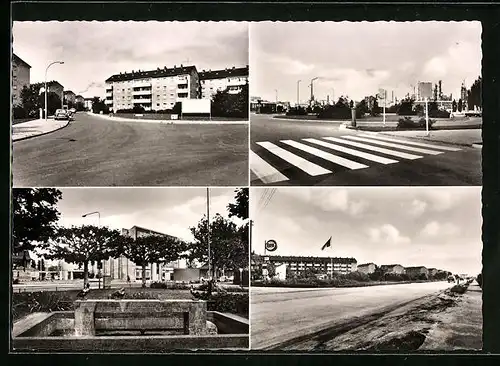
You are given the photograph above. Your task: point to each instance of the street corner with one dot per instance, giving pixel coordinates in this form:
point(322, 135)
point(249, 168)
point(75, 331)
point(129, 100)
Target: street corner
point(24, 131)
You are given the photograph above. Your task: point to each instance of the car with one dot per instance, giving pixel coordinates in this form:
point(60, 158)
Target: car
point(72, 110)
point(61, 114)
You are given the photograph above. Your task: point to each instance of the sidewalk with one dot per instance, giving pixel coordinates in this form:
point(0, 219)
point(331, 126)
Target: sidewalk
point(170, 121)
point(38, 127)
point(469, 137)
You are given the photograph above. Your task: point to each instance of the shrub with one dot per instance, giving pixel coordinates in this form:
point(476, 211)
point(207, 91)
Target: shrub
point(170, 286)
point(458, 289)
point(396, 277)
point(422, 123)
point(358, 276)
point(300, 111)
point(337, 111)
point(42, 301)
point(479, 280)
point(19, 112)
point(229, 303)
point(439, 113)
point(408, 123)
point(423, 277)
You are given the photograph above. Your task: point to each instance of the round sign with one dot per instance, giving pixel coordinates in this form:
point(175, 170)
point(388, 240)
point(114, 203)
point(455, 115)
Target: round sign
point(271, 245)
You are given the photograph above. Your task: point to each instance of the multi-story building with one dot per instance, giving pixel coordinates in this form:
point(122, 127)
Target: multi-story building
point(55, 87)
point(297, 265)
point(232, 79)
point(87, 103)
point(416, 271)
point(432, 271)
point(80, 100)
point(392, 268)
point(367, 268)
point(123, 268)
point(155, 90)
point(20, 78)
point(69, 97)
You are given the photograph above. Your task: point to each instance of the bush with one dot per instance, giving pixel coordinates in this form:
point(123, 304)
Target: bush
point(396, 277)
point(358, 276)
point(170, 286)
point(459, 289)
point(408, 123)
point(423, 277)
point(138, 109)
point(19, 112)
point(479, 280)
point(297, 111)
point(439, 113)
point(229, 303)
point(43, 301)
point(337, 111)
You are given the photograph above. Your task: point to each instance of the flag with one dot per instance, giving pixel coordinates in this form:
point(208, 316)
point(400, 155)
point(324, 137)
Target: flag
point(327, 244)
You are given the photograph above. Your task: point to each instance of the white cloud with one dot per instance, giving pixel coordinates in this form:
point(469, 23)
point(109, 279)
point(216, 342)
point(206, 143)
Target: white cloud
point(417, 207)
point(433, 229)
point(387, 234)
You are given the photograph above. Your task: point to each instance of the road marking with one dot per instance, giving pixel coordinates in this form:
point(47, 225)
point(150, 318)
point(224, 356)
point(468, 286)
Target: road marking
point(264, 171)
point(325, 155)
point(446, 148)
point(302, 164)
point(367, 156)
point(375, 148)
point(397, 146)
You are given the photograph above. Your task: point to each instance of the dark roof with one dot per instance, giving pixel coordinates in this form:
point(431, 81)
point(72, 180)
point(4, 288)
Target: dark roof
point(365, 264)
point(79, 97)
point(68, 92)
point(158, 73)
point(280, 258)
point(418, 267)
point(18, 59)
point(138, 228)
point(53, 82)
point(221, 74)
point(390, 265)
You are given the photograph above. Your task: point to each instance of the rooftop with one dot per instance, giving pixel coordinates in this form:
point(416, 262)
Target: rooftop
point(221, 74)
point(158, 73)
point(18, 59)
point(308, 259)
point(390, 265)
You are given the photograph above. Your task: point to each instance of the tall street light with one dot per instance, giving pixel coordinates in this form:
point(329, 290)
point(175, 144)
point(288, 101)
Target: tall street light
point(208, 232)
point(99, 225)
point(298, 100)
point(46, 70)
point(276, 91)
point(312, 93)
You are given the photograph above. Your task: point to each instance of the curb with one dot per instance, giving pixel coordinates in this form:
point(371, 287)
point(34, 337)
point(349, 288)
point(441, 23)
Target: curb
point(421, 138)
point(172, 122)
point(40, 134)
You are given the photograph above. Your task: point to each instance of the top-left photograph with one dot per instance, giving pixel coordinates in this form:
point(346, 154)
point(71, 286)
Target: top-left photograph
point(129, 104)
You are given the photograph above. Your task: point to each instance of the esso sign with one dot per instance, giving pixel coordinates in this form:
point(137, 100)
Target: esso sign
point(271, 245)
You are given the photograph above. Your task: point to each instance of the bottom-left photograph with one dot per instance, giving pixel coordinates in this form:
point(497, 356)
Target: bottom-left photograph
point(129, 269)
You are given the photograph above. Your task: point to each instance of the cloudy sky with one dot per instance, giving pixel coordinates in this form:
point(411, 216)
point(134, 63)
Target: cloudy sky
point(433, 227)
point(357, 58)
point(93, 51)
point(168, 210)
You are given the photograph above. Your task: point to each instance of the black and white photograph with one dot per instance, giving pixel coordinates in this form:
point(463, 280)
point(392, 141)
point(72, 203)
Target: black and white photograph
point(366, 269)
point(130, 103)
point(130, 269)
point(365, 103)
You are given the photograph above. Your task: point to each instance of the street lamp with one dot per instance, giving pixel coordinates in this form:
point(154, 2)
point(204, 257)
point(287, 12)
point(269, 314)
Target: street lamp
point(276, 90)
point(99, 225)
point(298, 101)
point(312, 94)
point(241, 277)
point(46, 70)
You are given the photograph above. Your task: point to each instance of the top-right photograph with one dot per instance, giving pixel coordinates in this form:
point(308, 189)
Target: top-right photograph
point(365, 104)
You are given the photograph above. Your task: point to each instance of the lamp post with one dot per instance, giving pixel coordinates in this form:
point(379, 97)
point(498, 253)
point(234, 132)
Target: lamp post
point(298, 100)
point(241, 277)
point(46, 70)
point(276, 91)
point(208, 232)
point(98, 225)
point(312, 93)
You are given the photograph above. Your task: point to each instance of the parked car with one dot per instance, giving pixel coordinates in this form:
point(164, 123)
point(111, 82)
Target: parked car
point(73, 110)
point(61, 114)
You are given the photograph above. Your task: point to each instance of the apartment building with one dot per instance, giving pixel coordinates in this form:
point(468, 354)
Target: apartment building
point(87, 103)
point(79, 100)
point(155, 90)
point(20, 78)
point(416, 271)
point(232, 79)
point(55, 87)
point(392, 268)
point(367, 268)
point(69, 97)
point(297, 265)
point(123, 268)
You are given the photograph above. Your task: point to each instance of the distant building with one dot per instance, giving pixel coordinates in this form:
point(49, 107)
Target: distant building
point(232, 79)
point(20, 78)
point(280, 272)
point(158, 89)
point(87, 103)
point(432, 271)
point(80, 100)
point(392, 268)
point(55, 87)
point(367, 268)
point(416, 271)
point(69, 97)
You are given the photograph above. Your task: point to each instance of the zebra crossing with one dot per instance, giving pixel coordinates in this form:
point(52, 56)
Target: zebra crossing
point(276, 162)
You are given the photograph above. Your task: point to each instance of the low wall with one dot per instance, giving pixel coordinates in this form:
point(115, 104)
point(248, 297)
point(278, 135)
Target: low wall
point(159, 116)
point(229, 323)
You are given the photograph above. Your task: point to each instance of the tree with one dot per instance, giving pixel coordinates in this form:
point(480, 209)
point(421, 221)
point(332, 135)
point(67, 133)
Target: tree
point(53, 102)
point(226, 104)
point(151, 249)
point(99, 105)
point(454, 105)
point(406, 107)
point(228, 244)
point(474, 94)
point(84, 244)
point(240, 208)
point(460, 105)
point(35, 215)
point(30, 99)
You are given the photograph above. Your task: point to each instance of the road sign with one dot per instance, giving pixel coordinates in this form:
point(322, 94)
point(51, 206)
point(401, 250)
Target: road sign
point(424, 90)
point(271, 245)
point(382, 93)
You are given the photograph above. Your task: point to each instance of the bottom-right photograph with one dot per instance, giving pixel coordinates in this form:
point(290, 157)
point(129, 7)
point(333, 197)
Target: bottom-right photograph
point(366, 269)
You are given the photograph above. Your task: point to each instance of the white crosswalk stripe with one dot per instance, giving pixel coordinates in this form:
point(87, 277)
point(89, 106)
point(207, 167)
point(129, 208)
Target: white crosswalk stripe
point(324, 155)
point(397, 146)
point(301, 163)
point(375, 148)
point(438, 147)
point(367, 156)
point(336, 150)
point(265, 171)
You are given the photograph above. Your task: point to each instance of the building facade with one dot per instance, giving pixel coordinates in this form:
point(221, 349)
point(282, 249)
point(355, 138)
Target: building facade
point(55, 87)
point(80, 100)
point(69, 97)
point(20, 78)
point(392, 268)
point(158, 89)
point(232, 79)
point(416, 271)
point(87, 103)
point(367, 268)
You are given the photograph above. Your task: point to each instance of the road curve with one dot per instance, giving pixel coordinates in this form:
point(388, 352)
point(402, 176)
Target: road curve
point(280, 315)
point(92, 151)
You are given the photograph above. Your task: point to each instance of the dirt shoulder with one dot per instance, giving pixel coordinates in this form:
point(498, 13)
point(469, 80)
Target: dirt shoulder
point(439, 322)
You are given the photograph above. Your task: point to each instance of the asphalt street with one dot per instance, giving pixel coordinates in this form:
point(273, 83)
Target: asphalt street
point(92, 151)
point(281, 315)
point(289, 152)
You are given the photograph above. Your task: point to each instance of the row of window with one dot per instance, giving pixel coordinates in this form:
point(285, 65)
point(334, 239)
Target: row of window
point(219, 80)
point(148, 80)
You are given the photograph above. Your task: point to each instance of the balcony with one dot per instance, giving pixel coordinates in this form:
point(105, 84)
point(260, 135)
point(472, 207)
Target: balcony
point(142, 101)
point(182, 95)
point(141, 92)
point(108, 101)
point(182, 86)
point(109, 94)
point(142, 84)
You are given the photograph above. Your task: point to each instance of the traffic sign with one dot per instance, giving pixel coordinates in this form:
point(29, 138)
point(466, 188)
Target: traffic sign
point(271, 245)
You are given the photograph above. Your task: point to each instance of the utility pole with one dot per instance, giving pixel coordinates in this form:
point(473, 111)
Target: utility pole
point(208, 232)
point(312, 92)
point(298, 99)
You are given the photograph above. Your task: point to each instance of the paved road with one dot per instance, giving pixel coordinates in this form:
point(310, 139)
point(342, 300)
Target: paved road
point(309, 153)
point(280, 315)
point(92, 151)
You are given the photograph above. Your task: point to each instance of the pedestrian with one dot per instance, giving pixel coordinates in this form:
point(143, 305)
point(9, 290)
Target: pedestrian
point(128, 279)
